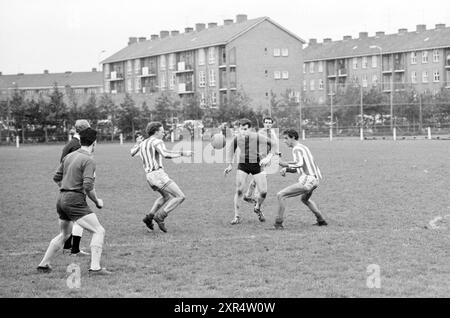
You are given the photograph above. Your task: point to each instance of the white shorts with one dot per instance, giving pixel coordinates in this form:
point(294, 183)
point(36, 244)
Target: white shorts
point(309, 182)
point(158, 179)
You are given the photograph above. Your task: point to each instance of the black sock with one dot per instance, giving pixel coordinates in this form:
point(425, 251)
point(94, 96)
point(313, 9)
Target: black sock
point(68, 243)
point(76, 244)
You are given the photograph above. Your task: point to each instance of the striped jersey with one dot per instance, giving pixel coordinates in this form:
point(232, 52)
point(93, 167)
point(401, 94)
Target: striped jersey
point(252, 147)
point(304, 161)
point(272, 136)
point(151, 151)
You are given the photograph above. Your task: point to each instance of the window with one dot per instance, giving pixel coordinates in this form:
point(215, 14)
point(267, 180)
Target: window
point(285, 75)
point(162, 62)
point(212, 78)
point(364, 80)
point(321, 84)
point(304, 68)
point(374, 61)
point(201, 57)
point(163, 81)
point(413, 77)
point(311, 67)
point(304, 85)
point(172, 61)
point(276, 52)
point(311, 85)
point(129, 85)
point(425, 77)
point(211, 55)
point(172, 78)
point(374, 79)
point(213, 98)
point(413, 57)
point(202, 78)
point(284, 52)
point(425, 57)
point(320, 66)
point(137, 85)
point(137, 66)
point(436, 76)
point(202, 100)
point(365, 63)
point(277, 75)
point(129, 67)
point(355, 63)
point(436, 56)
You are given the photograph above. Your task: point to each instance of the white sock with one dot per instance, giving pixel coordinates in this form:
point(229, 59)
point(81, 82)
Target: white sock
point(96, 255)
point(77, 230)
point(55, 245)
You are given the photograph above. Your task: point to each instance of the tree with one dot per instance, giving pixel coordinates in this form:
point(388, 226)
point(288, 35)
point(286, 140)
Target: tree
point(56, 112)
point(109, 110)
point(166, 106)
point(90, 110)
point(128, 115)
point(236, 107)
point(145, 117)
point(191, 108)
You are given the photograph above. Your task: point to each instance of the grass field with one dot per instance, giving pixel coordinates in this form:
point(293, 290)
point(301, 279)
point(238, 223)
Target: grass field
point(378, 196)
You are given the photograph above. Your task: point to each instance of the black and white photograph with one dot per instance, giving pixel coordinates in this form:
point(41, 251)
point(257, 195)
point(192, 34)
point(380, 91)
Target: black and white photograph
point(224, 155)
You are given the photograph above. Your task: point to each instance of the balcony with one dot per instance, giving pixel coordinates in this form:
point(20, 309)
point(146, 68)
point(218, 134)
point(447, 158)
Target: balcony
point(342, 72)
point(183, 67)
point(400, 67)
point(185, 88)
point(147, 72)
point(115, 76)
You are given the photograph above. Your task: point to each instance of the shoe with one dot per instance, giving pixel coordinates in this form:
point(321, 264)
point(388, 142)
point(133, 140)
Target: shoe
point(148, 220)
point(100, 272)
point(249, 200)
point(260, 215)
point(278, 226)
point(44, 269)
point(161, 224)
point(321, 223)
point(236, 220)
point(81, 253)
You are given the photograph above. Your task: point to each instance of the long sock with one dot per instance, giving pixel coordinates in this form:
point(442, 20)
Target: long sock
point(96, 254)
point(76, 244)
point(55, 245)
point(68, 243)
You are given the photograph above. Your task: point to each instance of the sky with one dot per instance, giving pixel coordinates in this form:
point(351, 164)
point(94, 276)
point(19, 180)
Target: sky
point(75, 35)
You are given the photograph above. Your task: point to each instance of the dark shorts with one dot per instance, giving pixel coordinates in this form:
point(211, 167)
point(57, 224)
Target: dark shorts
point(250, 168)
point(72, 206)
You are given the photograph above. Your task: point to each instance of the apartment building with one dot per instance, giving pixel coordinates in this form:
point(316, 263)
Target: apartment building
point(80, 84)
point(214, 61)
point(418, 59)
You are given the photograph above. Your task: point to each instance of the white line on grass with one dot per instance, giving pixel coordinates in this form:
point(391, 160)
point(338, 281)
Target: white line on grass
point(225, 238)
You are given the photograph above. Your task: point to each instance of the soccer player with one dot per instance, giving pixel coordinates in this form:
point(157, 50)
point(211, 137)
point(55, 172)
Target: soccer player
point(269, 133)
point(307, 182)
point(151, 151)
point(250, 162)
point(72, 244)
point(75, 178)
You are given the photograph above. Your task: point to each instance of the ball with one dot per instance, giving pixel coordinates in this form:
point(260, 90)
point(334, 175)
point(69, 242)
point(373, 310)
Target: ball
point(218, 141)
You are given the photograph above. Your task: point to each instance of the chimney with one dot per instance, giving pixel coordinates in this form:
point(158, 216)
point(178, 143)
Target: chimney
point(347, 37)
point(94, 69)
point(327, 40)
point(363, 35)
point(142, 39)
point(421, 27)
point(154, 37)
point(1, 73)
point(402, 31)
point(212, 25)
point(380, 33)
point(163, 34)
point(227, 21)
point(188, 30)
point(174, 33)
point(440, 26)
point(312, 41)
point(45, 71)
point(199, 27)
point(132, 40)
point(241, 18)
point(68, 72)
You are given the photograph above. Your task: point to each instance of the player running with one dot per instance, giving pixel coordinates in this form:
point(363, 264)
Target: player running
point(307, 182)
point(250, 145)
point(268, 132)
point(75, 177)
point(151, 151)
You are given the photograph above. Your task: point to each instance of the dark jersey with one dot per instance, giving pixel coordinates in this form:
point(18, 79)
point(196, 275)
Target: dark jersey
point(252, 147)
point(71, 146)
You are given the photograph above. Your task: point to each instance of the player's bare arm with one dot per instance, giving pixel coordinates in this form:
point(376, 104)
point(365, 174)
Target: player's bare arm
point(170, 154)
point(135, 149)
point(231, 153)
